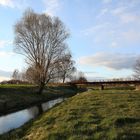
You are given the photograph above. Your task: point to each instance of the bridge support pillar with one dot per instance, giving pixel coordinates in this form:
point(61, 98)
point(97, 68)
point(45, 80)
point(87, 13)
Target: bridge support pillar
point(102, 87)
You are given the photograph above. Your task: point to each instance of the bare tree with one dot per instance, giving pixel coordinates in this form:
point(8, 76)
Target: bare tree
point(137, 70)
point(32, 75)
point(67, 68)
point(19, 75)
point(41, 39)
point(15, 75)
point(79, 77)
point(23, 75)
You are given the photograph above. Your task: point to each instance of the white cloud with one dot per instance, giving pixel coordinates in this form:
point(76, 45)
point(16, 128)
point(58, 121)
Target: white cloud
point(14, 3)
point(103, 12)
point(6, 54)
point(118, 10)
point(128, 17)
point(52, 6)
point(8, 3)
point(125, 14)
point(117, 25)
point(4, 43)
point(116, 61)
point(114, 44)
point(94, 77)
point(107, 1)
point(94, 29)
point(132, 35)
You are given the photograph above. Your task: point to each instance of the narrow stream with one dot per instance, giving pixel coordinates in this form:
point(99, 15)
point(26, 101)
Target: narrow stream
point(17, 119)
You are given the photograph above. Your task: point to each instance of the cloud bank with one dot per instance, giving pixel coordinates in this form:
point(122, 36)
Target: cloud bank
point(5, 75)
point(116, 61)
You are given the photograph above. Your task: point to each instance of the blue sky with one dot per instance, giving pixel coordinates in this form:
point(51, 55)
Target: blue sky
point(105, 34)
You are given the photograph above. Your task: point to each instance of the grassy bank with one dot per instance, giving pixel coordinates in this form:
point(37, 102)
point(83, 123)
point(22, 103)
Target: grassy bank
point(93, 115)
point(15, 97)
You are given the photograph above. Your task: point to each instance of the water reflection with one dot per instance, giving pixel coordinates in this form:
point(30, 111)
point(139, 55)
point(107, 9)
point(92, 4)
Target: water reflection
point(17, 119)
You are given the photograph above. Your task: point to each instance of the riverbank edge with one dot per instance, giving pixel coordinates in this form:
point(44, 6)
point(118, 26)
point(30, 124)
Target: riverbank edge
point(31, 120)
point(23, 105)
point(33, 103)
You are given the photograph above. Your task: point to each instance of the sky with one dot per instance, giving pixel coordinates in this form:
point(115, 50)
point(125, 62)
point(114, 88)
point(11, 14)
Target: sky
point(104, 34)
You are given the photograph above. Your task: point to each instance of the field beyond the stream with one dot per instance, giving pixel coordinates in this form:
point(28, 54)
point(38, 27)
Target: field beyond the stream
point(92, 115)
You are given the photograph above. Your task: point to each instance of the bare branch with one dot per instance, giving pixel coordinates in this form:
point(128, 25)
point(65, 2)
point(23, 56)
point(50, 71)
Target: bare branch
point(41, 39)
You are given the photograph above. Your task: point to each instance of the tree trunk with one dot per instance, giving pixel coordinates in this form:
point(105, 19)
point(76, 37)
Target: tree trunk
point(64, 77)
point(41, 87)
point(64, 80)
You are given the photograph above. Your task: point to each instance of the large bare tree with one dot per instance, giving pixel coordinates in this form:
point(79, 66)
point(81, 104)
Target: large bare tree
point(137, 70)
point(41, 39)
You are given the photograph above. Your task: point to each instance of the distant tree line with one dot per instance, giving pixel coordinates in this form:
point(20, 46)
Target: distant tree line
point(71, 76)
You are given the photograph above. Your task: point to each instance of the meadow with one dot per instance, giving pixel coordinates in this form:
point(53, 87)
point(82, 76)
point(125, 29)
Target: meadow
point(112, 114)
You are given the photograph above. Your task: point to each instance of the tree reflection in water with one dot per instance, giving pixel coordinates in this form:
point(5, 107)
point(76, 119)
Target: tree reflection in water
point(17, 119)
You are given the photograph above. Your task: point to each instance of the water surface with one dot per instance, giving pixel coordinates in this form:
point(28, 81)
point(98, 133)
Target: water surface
point(17, 119)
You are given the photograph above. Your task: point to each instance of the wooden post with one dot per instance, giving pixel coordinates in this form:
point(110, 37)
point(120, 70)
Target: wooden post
point(102, 87)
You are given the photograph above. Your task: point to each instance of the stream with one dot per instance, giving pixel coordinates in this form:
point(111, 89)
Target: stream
point(17, 119)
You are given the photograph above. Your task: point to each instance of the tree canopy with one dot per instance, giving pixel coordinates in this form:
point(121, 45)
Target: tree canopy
point(42, 40)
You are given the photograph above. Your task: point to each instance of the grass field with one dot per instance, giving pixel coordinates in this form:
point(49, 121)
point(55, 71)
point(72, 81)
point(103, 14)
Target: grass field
point(92, 115)
point(15, 97)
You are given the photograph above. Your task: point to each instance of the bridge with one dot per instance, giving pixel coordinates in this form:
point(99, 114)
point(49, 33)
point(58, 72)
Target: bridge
point(113, 82)
point(102, 84)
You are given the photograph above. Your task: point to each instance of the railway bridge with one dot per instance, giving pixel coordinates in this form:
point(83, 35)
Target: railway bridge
point(104, 84)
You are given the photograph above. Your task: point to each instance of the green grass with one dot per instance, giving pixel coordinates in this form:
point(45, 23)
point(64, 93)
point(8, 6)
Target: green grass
point(93, 115)
point(15, 97)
